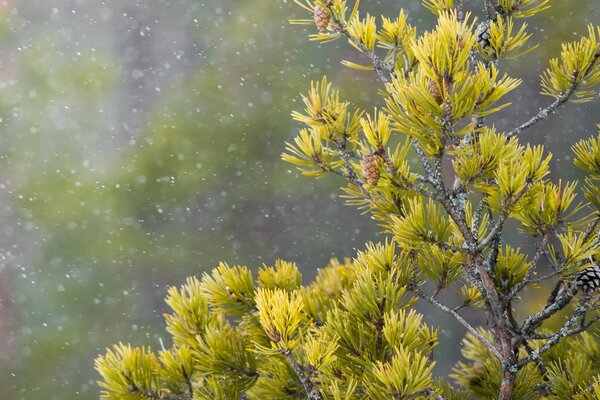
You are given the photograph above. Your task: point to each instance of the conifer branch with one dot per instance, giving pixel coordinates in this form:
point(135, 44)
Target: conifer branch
point(536, 357)
point(547, 111)
point(310, 387)
point(152, 395)
point(460, 320)
point(459, 10)
point(477, 216)
point(543, 278)
point(508, 203)
point(425, 162)
point(429, 392)
point(560, 302)
point(346, 156)
point(528, 280)
point(563, 98)
point(492, 7)
point(592, 228)
point(379, 65)
point(561, 333)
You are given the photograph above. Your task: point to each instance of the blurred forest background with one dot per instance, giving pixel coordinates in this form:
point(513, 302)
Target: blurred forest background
point(140, 143)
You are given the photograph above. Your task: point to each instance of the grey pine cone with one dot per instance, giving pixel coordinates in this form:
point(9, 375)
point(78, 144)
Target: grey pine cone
point(588, 279)
point(482, 34)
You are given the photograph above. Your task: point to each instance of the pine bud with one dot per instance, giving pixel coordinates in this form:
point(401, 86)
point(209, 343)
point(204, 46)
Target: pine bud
point(370, 166)
point(322, 18)
point(482, 35)
point(588, 279)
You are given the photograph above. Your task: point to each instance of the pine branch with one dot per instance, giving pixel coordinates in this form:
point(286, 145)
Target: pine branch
point(459, 10)
point(477, 216)
point(508, 203)
point(152, 395)
point(562, 333)
point(535, 357)
point(425, 162)
point(528, 280)
point(379, 65)
point(310, 387)
point(347, 156)
point(429, 392)
point(492, 7)
point(562, 300)
point(591, 229)
point(545, 112)
point(460, 320)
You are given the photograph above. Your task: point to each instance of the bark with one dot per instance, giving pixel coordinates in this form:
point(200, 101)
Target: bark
point(506, 388)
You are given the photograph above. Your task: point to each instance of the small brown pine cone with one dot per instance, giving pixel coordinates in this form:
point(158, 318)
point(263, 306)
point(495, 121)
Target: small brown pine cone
point(322, 18)
point(461, 41)
point(370, 166)
point(435, 91)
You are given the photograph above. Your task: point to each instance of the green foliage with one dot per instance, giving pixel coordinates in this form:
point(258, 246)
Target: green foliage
point(523, 8)
point(366, 339)
point(482, 373)
point(587, 157)
point(129, 373)
point(351, 334)
point(504, 43)
point(578, 66)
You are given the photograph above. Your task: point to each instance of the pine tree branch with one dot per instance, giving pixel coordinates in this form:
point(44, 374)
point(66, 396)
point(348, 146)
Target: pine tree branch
point(460, 320)
point(545, 112)
point(347, 156)
point(429, 392)
point(591, 229)
point(560, 302)
point(459, 10)
point(152, 395)
point(562, 333)
point(424, 161)
point(414, 187)
point(310, 387)
point(477, 216)
point(508, 203)
point(455, 213)
point(542, 278)
point(379, 65)
point(535, 357)
point(527, 280)
point(492, 7)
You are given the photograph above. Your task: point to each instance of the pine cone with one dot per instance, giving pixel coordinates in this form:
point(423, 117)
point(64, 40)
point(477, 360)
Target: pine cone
point(482, 34)
point(322, 18)
point(435, 91)
point(588, 279)
point(461, 41)
point(370, 166)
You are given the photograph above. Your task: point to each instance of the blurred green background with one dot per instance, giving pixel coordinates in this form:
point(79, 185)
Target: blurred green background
point(140, 144)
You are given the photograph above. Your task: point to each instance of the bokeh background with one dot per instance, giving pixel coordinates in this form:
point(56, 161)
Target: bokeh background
point(140, 143)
